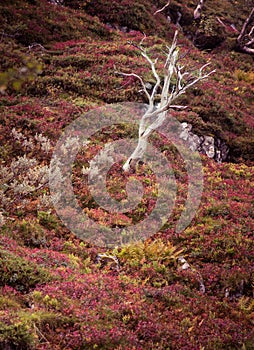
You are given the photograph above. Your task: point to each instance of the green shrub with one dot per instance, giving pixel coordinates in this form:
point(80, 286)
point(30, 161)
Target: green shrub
point(31, 233)
point(25, 329)
point(244, 76)
point(15, 336)
point(136, 254)
point(19, 273)
point(47, 220)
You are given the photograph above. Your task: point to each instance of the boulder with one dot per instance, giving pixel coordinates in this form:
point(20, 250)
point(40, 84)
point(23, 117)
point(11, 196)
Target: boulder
point(213, 147)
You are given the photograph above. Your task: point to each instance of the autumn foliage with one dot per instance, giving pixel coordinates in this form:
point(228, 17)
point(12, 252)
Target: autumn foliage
point(58, 62)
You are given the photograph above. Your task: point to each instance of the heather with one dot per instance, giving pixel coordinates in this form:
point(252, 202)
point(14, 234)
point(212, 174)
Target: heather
point(187, 290)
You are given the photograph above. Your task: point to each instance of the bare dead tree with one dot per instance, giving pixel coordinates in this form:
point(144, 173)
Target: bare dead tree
point(245, 39)
point(156, 115)
point(198, 9)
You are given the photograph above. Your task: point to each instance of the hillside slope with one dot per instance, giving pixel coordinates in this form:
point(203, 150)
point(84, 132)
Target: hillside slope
point(188, 290)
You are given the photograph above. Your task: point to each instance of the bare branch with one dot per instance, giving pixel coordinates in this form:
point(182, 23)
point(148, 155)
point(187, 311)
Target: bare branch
point(200, 77)
point(155, 74)
point(178, 107)
point(246, 23)
point(250, 42)
point(251, 31)
point(245, 35)
point(163, 8)
point(169, 68)
point(139, 78)
point(198, 9)
point(247, 49)
point(36, 45)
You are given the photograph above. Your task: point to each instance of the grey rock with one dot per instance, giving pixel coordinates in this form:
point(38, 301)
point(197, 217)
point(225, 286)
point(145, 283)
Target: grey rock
point(214, 148)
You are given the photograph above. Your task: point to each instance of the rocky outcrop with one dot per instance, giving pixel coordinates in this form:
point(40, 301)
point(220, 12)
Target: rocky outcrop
point(212, 147)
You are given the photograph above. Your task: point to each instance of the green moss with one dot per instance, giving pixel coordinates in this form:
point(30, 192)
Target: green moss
point(6, 302)
point(220, 209)
point(20, 273)
point(31, 233)
point(16, 336)
point(47, 220)
point(26, 329)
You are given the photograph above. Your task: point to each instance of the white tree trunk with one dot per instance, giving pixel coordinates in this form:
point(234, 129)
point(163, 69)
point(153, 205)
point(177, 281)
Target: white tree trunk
point(155, 116)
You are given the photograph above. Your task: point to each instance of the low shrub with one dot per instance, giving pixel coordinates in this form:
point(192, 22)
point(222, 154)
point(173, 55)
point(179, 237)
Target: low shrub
point(19, 273)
